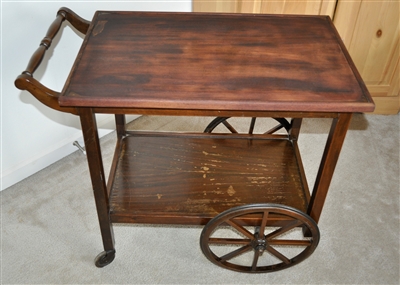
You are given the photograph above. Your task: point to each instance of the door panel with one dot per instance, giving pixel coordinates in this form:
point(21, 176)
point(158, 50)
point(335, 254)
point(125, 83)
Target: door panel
point(310, 7)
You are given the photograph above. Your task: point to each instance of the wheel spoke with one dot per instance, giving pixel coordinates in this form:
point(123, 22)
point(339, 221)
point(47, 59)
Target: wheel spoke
point(277, 254)
point(283, 123)
point(229, 126)
point(235, 253)
point(253, 122)
point(274, 129)
point(255, 260)
point(284, 229)
point(290, 242)
point(229, 241)
point(240, 229)
point(264, 223)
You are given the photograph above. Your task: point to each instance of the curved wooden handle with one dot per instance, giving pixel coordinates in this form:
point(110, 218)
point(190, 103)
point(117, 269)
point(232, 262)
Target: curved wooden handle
point(26, 81)
point(45, 95)
point(79, 23)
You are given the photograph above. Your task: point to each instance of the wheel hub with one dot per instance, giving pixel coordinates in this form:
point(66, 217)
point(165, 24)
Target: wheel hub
point(259, 243)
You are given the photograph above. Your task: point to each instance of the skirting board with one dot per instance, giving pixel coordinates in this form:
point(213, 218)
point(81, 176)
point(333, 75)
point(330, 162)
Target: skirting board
point(53, 154)
point(389, 105)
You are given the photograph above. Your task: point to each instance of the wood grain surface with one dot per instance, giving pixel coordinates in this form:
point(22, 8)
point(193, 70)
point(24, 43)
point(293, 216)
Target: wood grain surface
point(189, 180)
point(215, 62)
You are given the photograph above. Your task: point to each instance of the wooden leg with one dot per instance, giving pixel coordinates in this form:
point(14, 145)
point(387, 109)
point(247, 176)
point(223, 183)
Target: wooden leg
point(294, 137)
point(120, 125)
point(328, 163)
point(93, 153)
point(295, 129)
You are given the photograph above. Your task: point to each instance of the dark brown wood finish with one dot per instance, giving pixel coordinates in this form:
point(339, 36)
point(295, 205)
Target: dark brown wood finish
point(189, 179)
point(26, 81)
point(214, 62)
point(120, 123)
point(295, 128)
point(79, 23)
point(215, 113)
point(330, 157)
point(93, 154)
point(189, 64)
point(294, 137)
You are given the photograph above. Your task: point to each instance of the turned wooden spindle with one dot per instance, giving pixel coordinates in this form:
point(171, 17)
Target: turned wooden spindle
point(25, 80)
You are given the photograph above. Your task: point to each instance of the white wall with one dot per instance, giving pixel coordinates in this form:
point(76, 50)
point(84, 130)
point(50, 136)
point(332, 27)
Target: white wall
point(34, 136)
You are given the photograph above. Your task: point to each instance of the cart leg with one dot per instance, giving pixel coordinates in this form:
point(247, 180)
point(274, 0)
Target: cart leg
point(295, 128)
point(120, 123)
point(328, 163)
point(93, 153)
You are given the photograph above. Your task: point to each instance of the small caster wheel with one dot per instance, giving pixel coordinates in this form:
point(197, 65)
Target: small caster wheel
point(104, 258)
point(259, 238)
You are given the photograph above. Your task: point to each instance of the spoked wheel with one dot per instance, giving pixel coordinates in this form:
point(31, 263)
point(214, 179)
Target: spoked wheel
point(259, 238)
point(229, 124)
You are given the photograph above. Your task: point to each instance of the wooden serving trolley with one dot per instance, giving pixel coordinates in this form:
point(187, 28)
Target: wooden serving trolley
point(249, 190)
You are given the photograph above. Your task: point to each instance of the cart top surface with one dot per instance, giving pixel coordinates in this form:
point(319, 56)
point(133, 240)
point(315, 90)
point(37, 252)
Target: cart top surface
point(196, 61)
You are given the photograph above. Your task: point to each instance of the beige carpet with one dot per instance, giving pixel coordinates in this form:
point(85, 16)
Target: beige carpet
point(50, 233)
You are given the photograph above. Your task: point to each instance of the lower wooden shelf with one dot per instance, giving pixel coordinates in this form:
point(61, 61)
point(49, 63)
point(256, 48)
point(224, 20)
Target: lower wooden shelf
point(178, 179)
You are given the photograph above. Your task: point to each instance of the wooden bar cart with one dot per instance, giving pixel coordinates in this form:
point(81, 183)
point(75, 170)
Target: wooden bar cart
point(248, 189)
